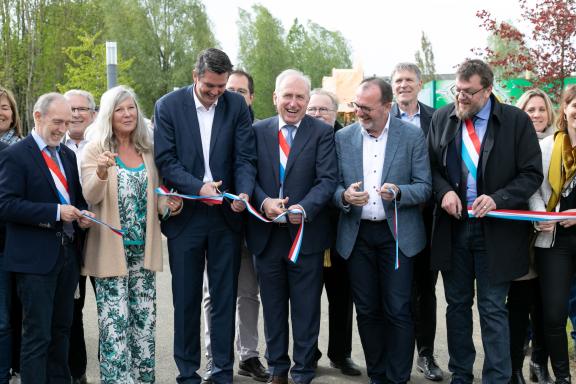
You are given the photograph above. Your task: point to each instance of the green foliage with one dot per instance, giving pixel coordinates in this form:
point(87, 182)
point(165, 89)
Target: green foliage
point(263, 54)
point(425, 59)
point(87, 67)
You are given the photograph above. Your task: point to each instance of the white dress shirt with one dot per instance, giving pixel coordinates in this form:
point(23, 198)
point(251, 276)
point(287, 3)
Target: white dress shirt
point(205, 120)
point(373, 153)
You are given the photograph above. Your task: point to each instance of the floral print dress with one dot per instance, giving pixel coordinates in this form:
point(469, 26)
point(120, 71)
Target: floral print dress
point(127, 304)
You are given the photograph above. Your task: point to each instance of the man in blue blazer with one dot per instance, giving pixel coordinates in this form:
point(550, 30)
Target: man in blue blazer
point(204, 144)
point(299, 175)
point(41, 202)
point(381, 159)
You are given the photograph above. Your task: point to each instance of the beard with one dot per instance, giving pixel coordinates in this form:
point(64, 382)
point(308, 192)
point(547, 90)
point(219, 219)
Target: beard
point(469, 112)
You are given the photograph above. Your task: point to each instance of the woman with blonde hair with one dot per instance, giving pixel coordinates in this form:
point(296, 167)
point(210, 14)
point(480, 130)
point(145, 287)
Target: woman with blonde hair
point(555, 245)
point(119, 178)
point(10, 125)
point(537, 104)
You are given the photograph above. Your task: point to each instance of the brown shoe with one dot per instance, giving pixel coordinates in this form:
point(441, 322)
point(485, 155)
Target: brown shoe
point(278, 379)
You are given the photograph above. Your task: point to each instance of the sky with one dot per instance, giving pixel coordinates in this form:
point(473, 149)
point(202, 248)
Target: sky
point(380, 33)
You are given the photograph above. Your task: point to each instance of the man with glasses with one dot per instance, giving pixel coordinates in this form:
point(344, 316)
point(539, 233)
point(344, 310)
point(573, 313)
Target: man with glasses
point(83, 113)
point(384, 178)
point(484, 155)
point(407, 84)
point(324, 106)
point(248, 301)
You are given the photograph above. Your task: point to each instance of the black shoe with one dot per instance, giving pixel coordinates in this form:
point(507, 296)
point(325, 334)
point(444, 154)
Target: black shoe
point(346, 366)
point(427, 365)
point(253, 368)
point(207, 378)
point(278, 380)
point(80, 380)
point(563, 380)
point(517, 377)
point(539, 373)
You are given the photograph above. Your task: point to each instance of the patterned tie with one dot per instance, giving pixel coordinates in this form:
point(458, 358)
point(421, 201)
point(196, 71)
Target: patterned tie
point(284, 142)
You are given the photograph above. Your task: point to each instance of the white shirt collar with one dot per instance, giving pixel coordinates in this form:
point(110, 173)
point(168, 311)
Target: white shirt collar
point(282, 123)
point(199, 104)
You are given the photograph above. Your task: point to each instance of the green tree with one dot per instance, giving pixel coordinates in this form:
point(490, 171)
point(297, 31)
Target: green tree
point(316, 51)
point(163, 36)
point(263, 53)
point(425, 59)
point(87, 67)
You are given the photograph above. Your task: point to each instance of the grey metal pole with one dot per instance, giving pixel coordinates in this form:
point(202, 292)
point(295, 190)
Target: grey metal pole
point(111, 63)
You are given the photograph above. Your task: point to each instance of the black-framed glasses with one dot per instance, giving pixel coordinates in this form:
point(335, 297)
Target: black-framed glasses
point(467, 94)
point(363, 108)
point(321, 110)
point(81, 109)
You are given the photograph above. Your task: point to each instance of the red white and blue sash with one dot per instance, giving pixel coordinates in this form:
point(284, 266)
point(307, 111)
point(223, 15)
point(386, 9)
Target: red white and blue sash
point(284, 153)
point(470, 148)
point(296, 244)
point(59, 179)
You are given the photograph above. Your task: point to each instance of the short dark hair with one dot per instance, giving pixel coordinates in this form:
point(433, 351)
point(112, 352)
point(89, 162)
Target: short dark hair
point(213, 60)
point(385, 88)
point(473, 67)
point(240, 72)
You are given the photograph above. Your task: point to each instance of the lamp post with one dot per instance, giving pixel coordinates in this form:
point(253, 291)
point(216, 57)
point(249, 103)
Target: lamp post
point(111, 62)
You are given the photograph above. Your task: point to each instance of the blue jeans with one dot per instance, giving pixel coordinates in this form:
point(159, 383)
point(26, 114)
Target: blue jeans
point(572, 309)
point(469, 264)
point(5, 329)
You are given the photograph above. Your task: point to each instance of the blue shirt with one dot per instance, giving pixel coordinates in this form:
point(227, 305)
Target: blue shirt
point(480, 126)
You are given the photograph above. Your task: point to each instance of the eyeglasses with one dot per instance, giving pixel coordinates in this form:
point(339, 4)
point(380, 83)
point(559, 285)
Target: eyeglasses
point(81, 109)
point(363, 108)
point(467, 94)
point(321, 110)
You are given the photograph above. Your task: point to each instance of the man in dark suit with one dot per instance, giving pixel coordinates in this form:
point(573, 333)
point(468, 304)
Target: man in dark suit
point(302, 177)
point(5, 306)
point(407, 84)
point(203, 144)
point(323, 105)
point(484, 155)
point(41, 201)
point(382, 159)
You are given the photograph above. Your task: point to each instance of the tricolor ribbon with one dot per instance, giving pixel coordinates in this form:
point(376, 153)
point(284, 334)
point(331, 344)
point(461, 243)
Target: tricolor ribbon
point(119, 232)
point(515, 214)
point(395, 222)
point(296, 244)
point(470, 147)
point(59, 179)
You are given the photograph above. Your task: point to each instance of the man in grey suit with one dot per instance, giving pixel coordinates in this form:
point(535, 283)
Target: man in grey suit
point(381, 159)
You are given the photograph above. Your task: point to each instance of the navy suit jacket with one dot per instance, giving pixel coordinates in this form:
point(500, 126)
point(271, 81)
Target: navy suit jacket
point(426, 113)
point(29, 203)
point(310, 180)
point(179, 158)
point(405, 164)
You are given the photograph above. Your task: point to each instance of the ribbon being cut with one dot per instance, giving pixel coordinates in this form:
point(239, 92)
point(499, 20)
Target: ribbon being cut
point(296, 244)
point(513, 214)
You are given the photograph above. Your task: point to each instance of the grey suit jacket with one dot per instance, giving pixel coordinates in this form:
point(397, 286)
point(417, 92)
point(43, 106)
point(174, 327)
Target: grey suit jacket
point(405, 164)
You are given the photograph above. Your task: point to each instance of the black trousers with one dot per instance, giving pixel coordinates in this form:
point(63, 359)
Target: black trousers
point(556, 267)
point(340, 308)
point(524, 308)
point(77, 359)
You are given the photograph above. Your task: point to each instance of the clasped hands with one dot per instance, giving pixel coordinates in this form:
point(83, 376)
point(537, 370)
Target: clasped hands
point(480, 207)
point(353, 195)
point(275, 207)
point(70, 213)
point(211, 188)
point(548, 226)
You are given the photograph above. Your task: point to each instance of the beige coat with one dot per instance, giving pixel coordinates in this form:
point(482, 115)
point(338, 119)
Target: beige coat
point(104, 250)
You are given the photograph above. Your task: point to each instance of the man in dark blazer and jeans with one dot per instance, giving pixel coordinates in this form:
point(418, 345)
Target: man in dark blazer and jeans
point(484, 155)
point(204, 145)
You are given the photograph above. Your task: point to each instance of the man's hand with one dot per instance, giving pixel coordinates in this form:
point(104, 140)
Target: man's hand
point(295, 218)
point(238, 205)
point(83, 222)
point(274, 207)
point(482, 205)
point(385, 191)
point(546, 226)
point(104, 161)
point(69, 213)
point(452, 205)
point(210, 188)
point(353, 195)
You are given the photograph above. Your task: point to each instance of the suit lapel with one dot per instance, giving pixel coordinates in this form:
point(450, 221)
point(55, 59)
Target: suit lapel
point(69, 169)
point(394, 133)
point(194, 126)
point(271, 143)
point(217, 124)
point(301, 138)
point(357, 147)
point(41, 164)
point(488, 144)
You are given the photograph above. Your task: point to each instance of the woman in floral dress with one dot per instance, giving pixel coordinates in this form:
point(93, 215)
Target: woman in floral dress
point(119, 178)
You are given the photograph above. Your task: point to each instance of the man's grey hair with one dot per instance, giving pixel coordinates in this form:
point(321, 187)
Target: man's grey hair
point(80, 92)
point(323, 92)
point(292, 72)
point(411, 67)
point(44, 102)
